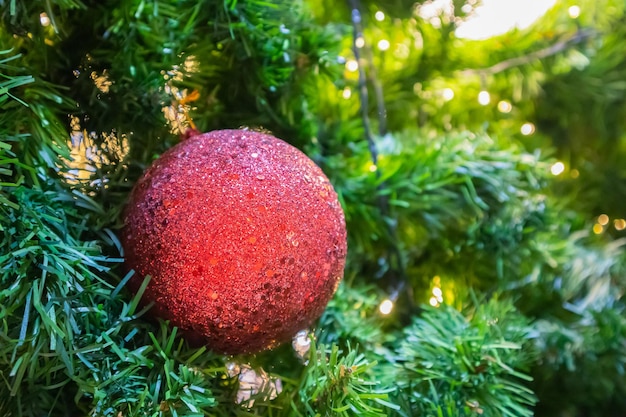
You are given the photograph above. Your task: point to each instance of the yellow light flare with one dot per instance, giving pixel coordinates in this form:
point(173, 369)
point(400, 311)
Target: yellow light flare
point(504, 106)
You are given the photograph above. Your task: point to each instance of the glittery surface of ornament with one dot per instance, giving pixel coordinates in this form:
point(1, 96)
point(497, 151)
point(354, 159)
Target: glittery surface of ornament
point(243, 237)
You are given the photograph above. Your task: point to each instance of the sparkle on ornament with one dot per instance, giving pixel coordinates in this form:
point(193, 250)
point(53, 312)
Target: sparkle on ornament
point(44, 19)
point(346, 93)
point(574, 11)
point(448, 94)
point(504, 106)
point(527, 129)
point(597, 229)
point(352, 65)
point(385, 307)
point(557, 168)
point(383, 44)
point(484, 97)
point(603, 219)
point(359, 42)
point(380, 16)
point(619, 224)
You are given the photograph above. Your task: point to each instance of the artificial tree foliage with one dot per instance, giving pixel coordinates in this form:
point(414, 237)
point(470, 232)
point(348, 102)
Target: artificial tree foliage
point(506, 302)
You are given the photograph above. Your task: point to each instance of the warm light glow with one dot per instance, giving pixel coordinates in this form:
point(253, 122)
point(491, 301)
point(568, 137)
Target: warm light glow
point(433, 301)
point(484, 97)
point(346, 93)
point(527, 129)
point(448, 94)
point(380, 16)
point(44, 19)
point(352, 65)
point(620, 224)
point(495, 17)
point(504, 106)
point(359, 42)
point(383, 44)
point(437, 292)
point(574, 12)
point(386, 306)
point(557, 168)
point(373, 168)
point(597, 228)
point(603, 219)
point(574, 173)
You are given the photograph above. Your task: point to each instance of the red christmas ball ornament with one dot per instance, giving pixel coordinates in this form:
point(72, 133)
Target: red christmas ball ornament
point(242, 235)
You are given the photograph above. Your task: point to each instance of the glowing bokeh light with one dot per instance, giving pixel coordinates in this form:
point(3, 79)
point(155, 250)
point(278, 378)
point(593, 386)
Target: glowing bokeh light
point(383, 44)
point(504, 106)
point(448, 94)
point(527, 129)
point(557, 168)
point(484, 97)
point(386, 306)
point(44, 19)
point(574, 11)
point(352, 65)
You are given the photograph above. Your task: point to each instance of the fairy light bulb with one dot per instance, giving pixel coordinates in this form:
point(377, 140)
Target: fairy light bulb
point(527, 129)
point(380, 16)
point(504, 106)
point(352, 65)
point(44, 19)
point(383, 44)
point(385, 307)
point(346, 93)
point(359, 42)
point(557, 168)
point(603, 219)
point(448, 94)
point(574, 11)
point(484, 97)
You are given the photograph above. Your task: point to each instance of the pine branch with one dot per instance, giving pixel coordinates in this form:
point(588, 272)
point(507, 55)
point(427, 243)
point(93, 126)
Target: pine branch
point(455, 366)
point(8, 82)
point(580, 36)
point(340, 384)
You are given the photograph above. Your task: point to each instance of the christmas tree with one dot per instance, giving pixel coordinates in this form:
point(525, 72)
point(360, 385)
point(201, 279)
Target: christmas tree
point(481, 179)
